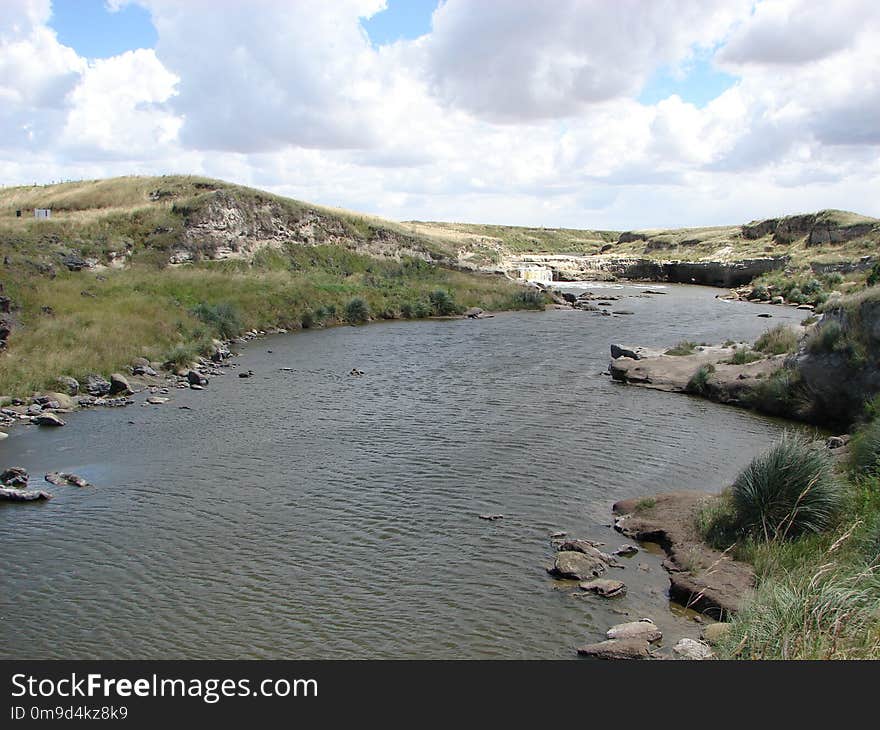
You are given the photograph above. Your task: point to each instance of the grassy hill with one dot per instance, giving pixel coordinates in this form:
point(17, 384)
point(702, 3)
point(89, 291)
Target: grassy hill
point(134, 266)
point(94, 286)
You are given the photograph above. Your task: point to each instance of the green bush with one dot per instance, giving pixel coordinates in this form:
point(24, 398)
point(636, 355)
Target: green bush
point(443, 302)
point(743, 356)
point(786, 492)
point(778, 340)
point(779, 395)
point(685, 347)
point(759, 291)
point(828, 337)
point(700, 380)
point(874, 275)
point(528, 299)
point(223, 317)
point(865, 449)
point(357, 311)
point(307, 319)
point(716, 522)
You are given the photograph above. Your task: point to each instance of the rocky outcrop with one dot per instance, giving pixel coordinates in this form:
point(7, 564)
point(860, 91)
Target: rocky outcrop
point(708, 273)
point(235, 225)
point(837, 363)
point(824, 227)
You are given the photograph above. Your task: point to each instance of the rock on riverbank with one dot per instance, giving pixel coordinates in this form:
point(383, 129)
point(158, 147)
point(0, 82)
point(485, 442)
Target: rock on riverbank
point(701, 578)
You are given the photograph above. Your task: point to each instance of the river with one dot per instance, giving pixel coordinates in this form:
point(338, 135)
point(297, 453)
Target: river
point(307, 514)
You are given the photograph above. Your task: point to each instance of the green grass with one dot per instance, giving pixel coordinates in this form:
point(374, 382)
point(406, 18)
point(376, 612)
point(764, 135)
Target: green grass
point(699, 381)
point(685, 347)
point(143, 311)
point(818, 593)
point(778, 340)
point(786, 492)
point(743, 356)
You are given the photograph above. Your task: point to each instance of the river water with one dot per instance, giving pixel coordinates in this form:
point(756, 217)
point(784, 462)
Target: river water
point(307, 514)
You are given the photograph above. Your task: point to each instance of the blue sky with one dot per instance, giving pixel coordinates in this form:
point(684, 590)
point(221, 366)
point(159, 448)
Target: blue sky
point(93, 31)
point(402, 19)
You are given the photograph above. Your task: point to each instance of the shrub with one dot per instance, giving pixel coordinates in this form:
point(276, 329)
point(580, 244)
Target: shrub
point(307, 319)
point(442, 302)
point(716, 522)
point(743, 356)
point(528, 299)
point(700, 380)
point(786, 492)
point(759, 291)
point(407, 311)
point(827, 338)
point(685, 347)
point(865, 449)
point(780, 394)
point(179, 356)
point(223, 317)
point(777, 340)
point(835, 278)
point(874, 275)
point(357, 311)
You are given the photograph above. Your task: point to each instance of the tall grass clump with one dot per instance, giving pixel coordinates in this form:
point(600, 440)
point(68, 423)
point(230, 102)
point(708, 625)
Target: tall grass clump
point(743, 356)
point(865, 449)
point(820, 613)
point(788, 491)
point(782, 394)
point(357, 311)
point(700, 380)
point(443, 302)
point(223, 317)
point(778, 340)
point(685, 347)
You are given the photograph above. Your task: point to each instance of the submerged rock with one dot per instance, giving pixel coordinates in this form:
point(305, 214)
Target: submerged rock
point(62, 478)
point(23, 495)
point(14, 476)
point(48, 419)
point(604, 587)
point(577, 565)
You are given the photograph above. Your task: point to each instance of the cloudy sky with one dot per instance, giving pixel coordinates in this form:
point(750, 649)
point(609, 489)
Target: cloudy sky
point(577, 113)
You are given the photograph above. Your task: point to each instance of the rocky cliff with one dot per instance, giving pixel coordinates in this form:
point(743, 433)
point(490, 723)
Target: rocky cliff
point(839, 362)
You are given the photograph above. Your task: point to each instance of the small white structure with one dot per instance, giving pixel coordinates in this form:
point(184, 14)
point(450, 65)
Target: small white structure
point(43, 213)
point(535, 272)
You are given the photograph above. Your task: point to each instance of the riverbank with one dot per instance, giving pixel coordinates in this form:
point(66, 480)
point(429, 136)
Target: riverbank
point(788, 553)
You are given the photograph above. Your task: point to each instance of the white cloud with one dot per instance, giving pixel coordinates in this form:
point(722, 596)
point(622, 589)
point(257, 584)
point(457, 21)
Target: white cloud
point(518, 59)
point(516, 112)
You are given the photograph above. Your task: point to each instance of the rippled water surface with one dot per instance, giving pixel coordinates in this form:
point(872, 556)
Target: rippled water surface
point(307, 514)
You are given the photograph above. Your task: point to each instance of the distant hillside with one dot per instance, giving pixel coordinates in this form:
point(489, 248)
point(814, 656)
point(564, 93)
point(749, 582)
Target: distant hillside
point(829, 235)
point(179, 219)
